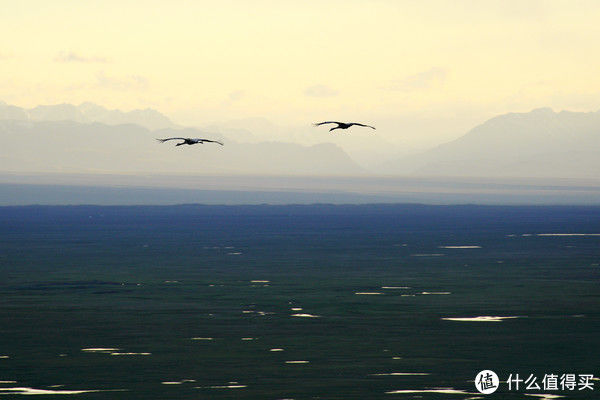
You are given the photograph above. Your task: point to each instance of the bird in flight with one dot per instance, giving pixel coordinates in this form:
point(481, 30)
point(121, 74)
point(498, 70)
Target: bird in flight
point(190, 141)
point(343, 125)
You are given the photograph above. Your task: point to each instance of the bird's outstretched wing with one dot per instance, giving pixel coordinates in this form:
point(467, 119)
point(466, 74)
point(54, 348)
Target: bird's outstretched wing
point(366, 126)
point(326, 122)
point(211, 141)
point(171, 138)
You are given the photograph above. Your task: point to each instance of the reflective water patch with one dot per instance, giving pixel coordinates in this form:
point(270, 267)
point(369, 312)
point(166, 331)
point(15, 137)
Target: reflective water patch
point(483, 318)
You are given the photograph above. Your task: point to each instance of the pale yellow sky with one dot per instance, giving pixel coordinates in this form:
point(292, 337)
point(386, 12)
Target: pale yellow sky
point(295, 61)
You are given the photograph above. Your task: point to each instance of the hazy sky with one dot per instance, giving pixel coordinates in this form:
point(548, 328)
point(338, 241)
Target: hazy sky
point(445, 63)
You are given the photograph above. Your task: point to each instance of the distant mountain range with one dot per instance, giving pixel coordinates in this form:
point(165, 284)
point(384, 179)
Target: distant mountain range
point(86, 113)
point(30, 146)
point(90, 138)
point(540, 143)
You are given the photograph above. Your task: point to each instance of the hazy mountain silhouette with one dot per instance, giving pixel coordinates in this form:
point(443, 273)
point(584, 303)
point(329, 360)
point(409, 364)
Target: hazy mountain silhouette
point(86, 113)
point(12, 112)
point(87, 138)
point(67, 146)
point(540, 143)
point(364, 147)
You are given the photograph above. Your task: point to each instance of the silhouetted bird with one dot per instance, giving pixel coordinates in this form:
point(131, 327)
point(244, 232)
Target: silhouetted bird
point(343, 125)
point(189, 141)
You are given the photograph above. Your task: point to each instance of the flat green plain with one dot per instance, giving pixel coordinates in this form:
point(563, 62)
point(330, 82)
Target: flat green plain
point(359, 292)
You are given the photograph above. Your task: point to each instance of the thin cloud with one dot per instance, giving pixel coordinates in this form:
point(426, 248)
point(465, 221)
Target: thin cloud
point(72, 57)
point(236, 95)
point(320, 91)
point(530, 9)
point(422, 80)
point(126, 83)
